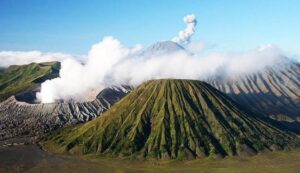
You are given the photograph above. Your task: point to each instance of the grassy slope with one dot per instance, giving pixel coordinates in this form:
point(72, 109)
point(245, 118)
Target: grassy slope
point(172, 119)
point(17, 79)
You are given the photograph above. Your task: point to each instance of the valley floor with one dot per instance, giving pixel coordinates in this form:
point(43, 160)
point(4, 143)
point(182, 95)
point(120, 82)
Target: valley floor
point(30, 158)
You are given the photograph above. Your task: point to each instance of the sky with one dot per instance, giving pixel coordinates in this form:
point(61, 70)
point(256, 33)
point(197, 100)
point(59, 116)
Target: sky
point(72, 26)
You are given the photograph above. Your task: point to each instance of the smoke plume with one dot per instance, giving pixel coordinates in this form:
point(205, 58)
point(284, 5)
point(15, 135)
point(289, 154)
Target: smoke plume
point(184, 36)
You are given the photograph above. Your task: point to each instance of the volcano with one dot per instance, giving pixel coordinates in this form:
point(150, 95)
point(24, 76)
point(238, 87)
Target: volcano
point(163, 48)
point(173, 119)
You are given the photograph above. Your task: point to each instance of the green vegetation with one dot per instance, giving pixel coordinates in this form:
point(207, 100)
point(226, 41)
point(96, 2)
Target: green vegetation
point(18, 79)
point(173, 119)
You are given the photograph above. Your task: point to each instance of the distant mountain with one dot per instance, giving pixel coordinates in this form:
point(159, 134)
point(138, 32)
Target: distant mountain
point(163, 47)
point(170, 119)
point(274, 91)
point(21, 119)
point(2, 69)
point(18, 80)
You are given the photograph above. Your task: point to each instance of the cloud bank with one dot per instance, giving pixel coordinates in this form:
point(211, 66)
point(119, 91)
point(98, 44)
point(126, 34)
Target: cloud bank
point(8, 58)
point(111, 63)
point(185, 35)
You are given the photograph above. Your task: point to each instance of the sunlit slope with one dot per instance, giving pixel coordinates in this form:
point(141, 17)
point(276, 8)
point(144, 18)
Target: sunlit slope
point(18, 79)
point(180, 119)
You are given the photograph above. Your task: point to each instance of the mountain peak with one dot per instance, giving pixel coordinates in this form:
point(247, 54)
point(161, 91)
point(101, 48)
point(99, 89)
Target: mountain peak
point(164, 47)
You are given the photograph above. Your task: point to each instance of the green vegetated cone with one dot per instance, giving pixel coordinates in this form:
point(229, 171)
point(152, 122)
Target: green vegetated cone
point(173, 119)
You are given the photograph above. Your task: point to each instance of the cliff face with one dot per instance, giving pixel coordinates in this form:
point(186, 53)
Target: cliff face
point(24, 119)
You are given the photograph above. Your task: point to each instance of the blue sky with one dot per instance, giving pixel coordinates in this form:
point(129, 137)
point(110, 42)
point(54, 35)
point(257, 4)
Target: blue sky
point(72, 26)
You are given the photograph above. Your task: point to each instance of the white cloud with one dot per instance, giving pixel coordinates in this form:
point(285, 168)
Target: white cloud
point(77, 79)
point(109, 62)
point(183, 65)
point(8, 58)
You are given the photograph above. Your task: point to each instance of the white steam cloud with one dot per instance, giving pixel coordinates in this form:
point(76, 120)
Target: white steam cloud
point(77, 79)
point(183, 65)
point(8, 58)
point(185, 35)
point(109, 62)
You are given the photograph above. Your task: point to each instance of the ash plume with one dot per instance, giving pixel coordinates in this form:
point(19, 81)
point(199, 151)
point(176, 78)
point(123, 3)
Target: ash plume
point(185, 35)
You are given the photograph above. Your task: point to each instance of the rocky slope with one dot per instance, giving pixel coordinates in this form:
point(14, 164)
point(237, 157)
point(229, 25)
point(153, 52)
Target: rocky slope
point(173, 119)
point(23, 119)
point(274, 91)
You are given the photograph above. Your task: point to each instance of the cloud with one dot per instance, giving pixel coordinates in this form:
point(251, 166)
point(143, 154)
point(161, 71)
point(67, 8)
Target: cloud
point(111, 63)
point(8, 58)
point(76, 79)
point(185, 35)
point(183, 65)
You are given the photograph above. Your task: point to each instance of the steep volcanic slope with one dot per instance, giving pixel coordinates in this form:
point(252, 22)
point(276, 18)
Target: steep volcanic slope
point(173, 119)
point(26, 78)
point(275, 91)
point(24, 119)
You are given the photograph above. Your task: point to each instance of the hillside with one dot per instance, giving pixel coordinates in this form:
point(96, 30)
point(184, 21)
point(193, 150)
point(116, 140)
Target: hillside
point(274, 91)
point(173, 119)
point(26, 78)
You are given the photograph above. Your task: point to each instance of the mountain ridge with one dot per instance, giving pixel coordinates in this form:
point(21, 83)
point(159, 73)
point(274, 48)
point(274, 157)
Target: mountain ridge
point(20, 79)
point(274, 91)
